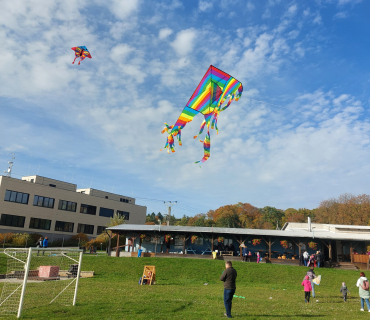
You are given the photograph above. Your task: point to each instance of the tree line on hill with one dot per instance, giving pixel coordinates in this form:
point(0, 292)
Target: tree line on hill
point(347, 209)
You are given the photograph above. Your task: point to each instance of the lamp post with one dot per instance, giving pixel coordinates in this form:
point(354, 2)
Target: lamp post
point(101, 247)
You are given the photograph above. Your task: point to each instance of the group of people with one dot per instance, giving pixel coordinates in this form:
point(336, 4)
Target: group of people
point(362, 284)
point(42, 243)
point(315, 260)
point(229, 277)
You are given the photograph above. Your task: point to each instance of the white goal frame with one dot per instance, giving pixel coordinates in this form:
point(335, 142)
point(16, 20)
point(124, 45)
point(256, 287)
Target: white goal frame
point(18, 270)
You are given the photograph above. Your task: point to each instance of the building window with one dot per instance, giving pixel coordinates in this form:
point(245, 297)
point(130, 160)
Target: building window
point(12, 221)
point(43, 224)
point(14, 196)
point(123, 200)
point(124, 214)
point(106, 197)
point(100, 229)
point(67, 205)
point(104, 212)
point(64, 226)
point(43, 202)
point(52, 185)
point(85, 228)
point(85, 208)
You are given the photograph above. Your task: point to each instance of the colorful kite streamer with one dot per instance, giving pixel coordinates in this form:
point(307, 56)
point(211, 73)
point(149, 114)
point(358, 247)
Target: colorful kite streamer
point(207, 99)
point(81, 52)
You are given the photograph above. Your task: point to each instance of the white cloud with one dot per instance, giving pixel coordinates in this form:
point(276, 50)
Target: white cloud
point(184, 42)
point(164, 33)
point(205, 6)
point(250, 6)
point(120, 52)
point(122, 9)
point(341, 15)
point(317, 19)
point(292, 10)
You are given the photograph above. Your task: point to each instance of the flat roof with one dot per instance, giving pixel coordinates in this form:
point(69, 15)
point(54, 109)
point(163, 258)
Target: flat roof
point(288, 233)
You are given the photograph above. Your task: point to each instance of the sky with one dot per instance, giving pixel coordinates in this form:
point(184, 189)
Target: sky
point(299, 134)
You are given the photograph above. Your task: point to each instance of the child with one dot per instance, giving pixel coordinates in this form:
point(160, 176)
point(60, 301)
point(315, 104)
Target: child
point(258, 257)
point(307, 289)
point(344, 291)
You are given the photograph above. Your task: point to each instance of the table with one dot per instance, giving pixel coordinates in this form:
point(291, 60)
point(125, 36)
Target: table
point(226, 253)
point(190, 249)
point(207, 251)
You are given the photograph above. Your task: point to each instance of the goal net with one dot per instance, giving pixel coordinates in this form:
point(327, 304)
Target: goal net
point(37, 276)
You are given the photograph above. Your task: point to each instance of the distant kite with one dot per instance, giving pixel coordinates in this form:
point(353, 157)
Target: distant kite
point(215, 87)
point(81, 52)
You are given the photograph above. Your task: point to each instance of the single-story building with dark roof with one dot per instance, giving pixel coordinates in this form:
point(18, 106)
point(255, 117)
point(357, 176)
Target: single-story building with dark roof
point(337, 242)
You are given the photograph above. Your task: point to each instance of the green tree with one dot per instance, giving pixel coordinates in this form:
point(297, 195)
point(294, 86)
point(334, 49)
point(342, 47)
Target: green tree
point(116, 220)
point(273, 216)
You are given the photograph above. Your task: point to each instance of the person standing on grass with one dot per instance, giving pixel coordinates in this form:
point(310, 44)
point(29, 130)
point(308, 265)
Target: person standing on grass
point(244, 252)
point(344, 291)
point(307, 289)
point(228, 277)
point(363, 290)
point(311, 275)
point(305, 258)
point(318, 258)
point(39, 244)
point(45, 244)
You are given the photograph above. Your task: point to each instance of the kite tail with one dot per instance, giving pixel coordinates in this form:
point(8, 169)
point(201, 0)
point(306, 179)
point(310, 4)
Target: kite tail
point(170, 141)
point(201, 130)
point(207, 148)
point(214, 120)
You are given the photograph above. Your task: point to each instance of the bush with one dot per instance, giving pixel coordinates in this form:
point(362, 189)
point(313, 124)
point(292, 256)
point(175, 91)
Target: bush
point(7, 236)
point(21, 239)
point(34, 237)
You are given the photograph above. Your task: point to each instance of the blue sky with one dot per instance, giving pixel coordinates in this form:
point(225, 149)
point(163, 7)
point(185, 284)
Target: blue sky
point(299, 134)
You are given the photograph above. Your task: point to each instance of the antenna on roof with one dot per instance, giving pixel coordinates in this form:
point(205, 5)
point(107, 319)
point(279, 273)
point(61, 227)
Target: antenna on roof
point(9, 171)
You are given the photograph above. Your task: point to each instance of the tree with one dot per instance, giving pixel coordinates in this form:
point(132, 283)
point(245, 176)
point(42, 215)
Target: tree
point(183, 221)
point(273, 216)
point(250, 217)
point(116, 220)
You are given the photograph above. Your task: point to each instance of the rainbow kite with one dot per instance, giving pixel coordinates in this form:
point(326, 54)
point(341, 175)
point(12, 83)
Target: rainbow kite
point(81, 52)
point(215, 87)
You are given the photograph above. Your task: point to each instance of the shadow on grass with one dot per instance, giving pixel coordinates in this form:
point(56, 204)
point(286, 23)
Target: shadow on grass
point(183, 307)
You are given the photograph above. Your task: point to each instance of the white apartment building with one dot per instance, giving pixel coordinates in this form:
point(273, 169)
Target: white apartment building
point(57, 209)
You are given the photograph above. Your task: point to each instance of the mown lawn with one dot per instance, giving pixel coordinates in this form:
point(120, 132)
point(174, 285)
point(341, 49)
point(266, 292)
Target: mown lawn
point(270, 291)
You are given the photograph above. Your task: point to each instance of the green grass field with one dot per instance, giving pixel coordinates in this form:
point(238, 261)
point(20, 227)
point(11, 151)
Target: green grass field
point(271, 292)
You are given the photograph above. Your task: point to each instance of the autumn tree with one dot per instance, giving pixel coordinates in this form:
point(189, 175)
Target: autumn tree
point(272, 217)
point(347, 209)
point(249, 216)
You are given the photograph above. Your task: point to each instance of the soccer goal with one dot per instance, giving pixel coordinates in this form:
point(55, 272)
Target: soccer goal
point(37, 276)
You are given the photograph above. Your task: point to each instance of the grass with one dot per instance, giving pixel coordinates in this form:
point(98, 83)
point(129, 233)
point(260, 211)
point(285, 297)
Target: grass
point(271, 292)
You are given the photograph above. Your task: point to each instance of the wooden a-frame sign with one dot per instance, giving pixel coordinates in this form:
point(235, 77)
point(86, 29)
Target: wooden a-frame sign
point(149, 273)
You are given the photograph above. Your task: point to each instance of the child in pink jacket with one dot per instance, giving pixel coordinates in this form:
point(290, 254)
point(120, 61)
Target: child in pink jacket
point(307, 289)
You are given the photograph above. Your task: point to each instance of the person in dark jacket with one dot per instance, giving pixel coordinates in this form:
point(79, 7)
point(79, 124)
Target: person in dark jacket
point(39, 244)
point(244, 252)
point(319, 258)
point(228, 277)
point(344, 291)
